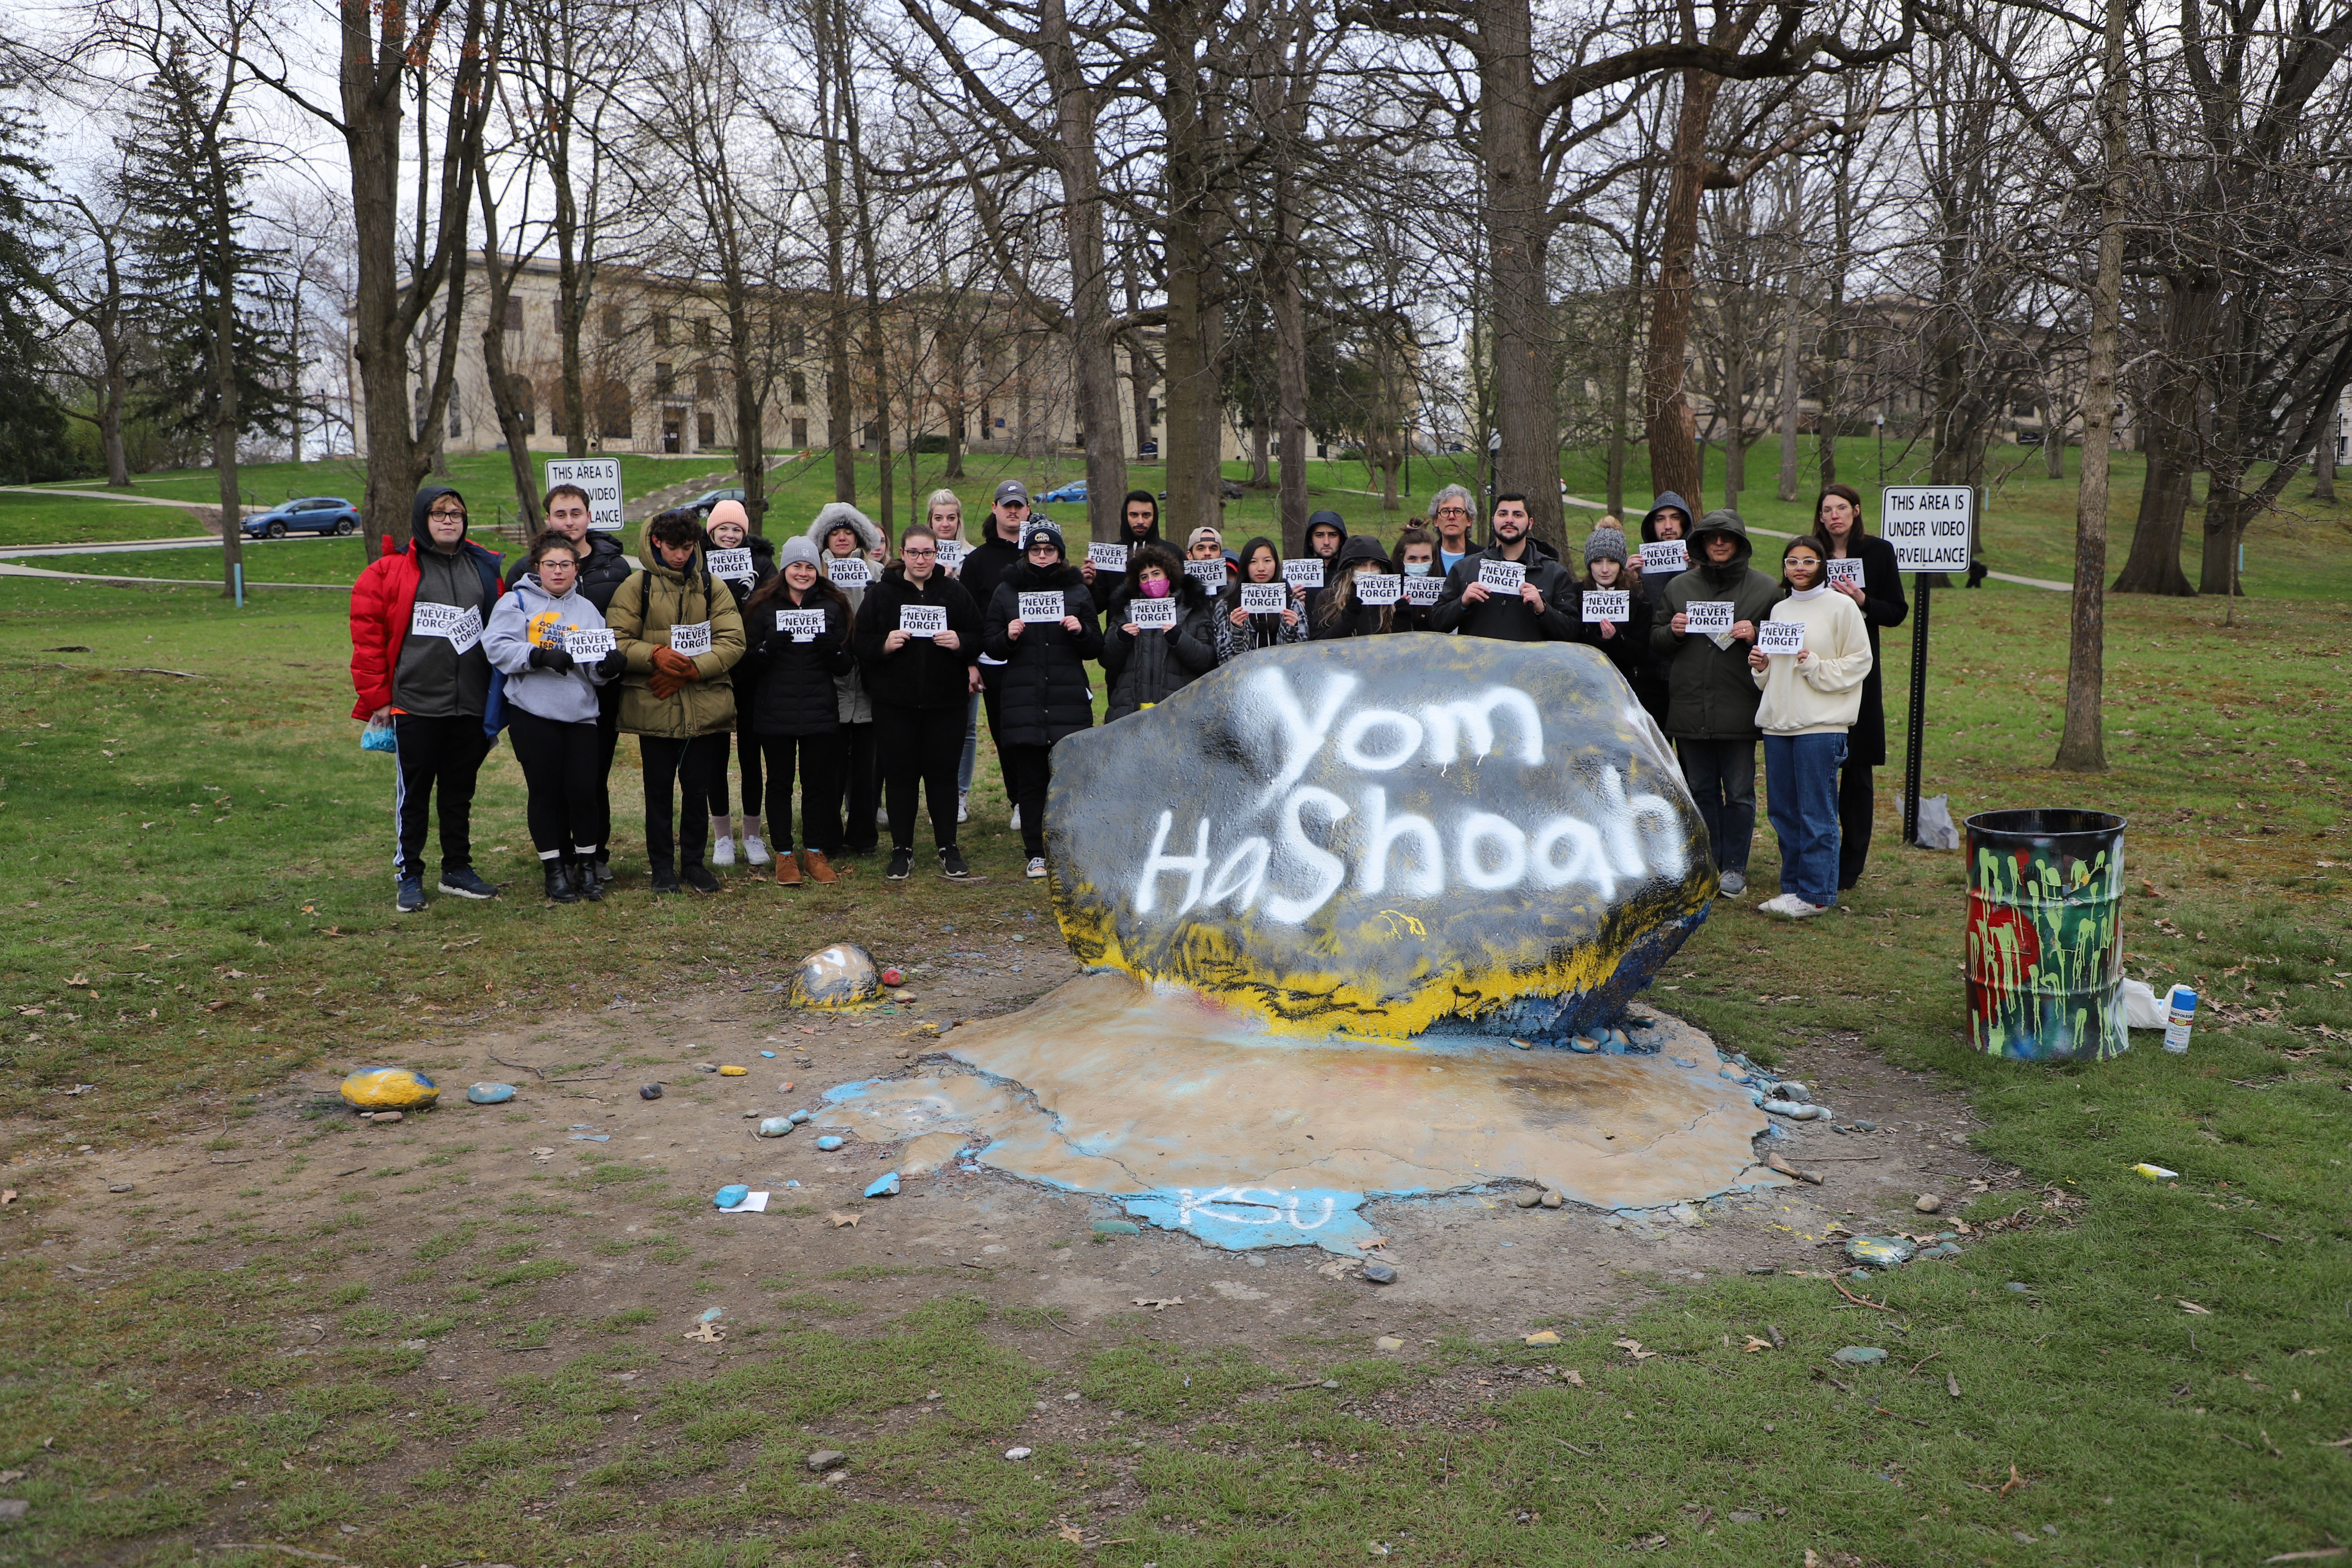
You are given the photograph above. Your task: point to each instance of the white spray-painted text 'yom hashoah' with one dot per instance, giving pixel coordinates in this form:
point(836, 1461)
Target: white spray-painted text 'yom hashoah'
point(1620, 839)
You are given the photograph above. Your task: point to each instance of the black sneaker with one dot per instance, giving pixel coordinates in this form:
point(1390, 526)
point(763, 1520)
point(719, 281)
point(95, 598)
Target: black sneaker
point(410, 897)
point(902, 865)
point(699, 878)
point(465, 885)
point(951, 864)
point(559, 884)
point(664, 878)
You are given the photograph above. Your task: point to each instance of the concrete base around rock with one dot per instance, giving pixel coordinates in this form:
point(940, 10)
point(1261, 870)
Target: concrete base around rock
point(1196, 1119)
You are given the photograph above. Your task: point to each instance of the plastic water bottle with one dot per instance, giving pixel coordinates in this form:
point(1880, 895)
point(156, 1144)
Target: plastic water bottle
point(2180, 1012)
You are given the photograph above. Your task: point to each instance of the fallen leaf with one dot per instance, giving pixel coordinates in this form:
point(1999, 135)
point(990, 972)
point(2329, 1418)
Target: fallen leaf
point(1373, 1241)
point(1951, 1385)
point(1574, 1380)
point(2015, 1482)
point(9, 1196)
point(1634, 1347)
point(1755, 1344)
point(838, 1220)
point(707, 1334)
point(1073, 1534)
point(2193, 1306)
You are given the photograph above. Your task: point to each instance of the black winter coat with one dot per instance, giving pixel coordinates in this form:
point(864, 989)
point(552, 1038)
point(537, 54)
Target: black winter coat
point(1153, 666)
point(1629, 648)
point(746, 671)
point(791, 689)
point(1044, 695)
point(1883, 604)
point(922, 674)
point(1507, 617)
point(605, 569)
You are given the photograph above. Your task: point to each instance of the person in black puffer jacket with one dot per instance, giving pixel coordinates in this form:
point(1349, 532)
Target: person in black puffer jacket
point(1625, 643)
point(1148, 667)
point(729, 527)
point(1044, 695)
point(920, 687)
point(795, 712)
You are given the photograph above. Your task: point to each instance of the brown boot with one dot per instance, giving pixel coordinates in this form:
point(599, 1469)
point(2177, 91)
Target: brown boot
point(788, 870)
point(819, 868)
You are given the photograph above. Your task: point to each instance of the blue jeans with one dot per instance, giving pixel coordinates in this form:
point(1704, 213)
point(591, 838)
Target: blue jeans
point(1800, 793)
point(1722, 779)
point(970, 745)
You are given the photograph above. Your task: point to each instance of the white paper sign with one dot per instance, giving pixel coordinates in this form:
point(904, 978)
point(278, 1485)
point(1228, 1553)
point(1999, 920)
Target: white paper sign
point(922, 620)
point(1780, 637)
point(690, 640)
point(1043, 608)
point(1152, 615)
point(1708, 617)
point(951, 553)
point(1665, 555)
point(462, 627)
point(1107, 557)
point(732, 564)
point(1602, 604)
point(1424, 590)
point(1209, 573)
point(1379, 588)
point(591, 643)
point(601, 478)
point(800, 626)
point(849, 570)
point(1845, 570)
point(1265, 598)
point(1306, 572)
point(1929, 525)
point(1502, 576)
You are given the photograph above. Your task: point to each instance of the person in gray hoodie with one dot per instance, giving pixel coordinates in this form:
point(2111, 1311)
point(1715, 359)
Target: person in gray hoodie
point(551, 710)
point(1712, 695)
point(840, 531)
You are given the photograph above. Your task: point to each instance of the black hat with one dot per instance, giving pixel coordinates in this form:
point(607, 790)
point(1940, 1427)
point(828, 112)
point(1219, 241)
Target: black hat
point(1038, 528)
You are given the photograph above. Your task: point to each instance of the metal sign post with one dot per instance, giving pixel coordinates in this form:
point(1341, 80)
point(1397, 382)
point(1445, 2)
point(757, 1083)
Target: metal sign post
point(1930, 527)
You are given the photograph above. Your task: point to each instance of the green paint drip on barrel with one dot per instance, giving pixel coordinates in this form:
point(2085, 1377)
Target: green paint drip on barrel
point(2044, 936)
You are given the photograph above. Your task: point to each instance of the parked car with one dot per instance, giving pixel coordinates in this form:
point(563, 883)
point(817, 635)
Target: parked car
point(700, 505)
point(311, 514)
point(1074, 491)
point(1148, 449)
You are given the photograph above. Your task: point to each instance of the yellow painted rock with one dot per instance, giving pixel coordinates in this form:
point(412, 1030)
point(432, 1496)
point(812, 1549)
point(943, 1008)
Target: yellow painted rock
point(389, 1088)
point(732, 1072)
point(841, 976)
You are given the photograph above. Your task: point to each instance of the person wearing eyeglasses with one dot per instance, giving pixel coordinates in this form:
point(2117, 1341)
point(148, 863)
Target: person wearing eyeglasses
point(921, 682)
point(1045, 694)
point(1450, 514)
point(418, 664)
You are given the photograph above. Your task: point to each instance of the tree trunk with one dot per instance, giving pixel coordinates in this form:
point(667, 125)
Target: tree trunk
point(1670, 426)
point(497, 276)
point(840, 405)
point(1194, 451)
point(1833, 360)
point(2323, 457)
point(1790, 386)
point(751, 407)
point(1518, 234)
point(2171, 437)
point(1094, 355)
point(223, 285)
point(2053, 436)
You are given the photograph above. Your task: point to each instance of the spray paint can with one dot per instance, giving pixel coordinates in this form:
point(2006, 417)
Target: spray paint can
point(2181, 1013)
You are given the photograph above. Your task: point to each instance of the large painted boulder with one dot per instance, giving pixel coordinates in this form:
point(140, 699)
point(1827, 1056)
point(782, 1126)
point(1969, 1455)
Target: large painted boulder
point(1382, 836)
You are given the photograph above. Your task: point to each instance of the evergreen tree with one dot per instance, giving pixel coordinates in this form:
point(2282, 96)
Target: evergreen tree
point(33, 444)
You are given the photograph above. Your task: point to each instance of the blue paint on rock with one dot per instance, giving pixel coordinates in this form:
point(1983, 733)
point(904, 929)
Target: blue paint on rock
point(885, 1186)
point(490, 1093)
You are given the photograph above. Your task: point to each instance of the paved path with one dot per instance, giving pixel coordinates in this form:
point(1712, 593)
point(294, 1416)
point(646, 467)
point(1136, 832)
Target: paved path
point(119, 495)
point(10, 570)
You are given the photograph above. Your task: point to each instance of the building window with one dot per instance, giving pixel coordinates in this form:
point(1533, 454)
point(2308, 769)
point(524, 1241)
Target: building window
point(795, 341)
point(799, 388)
point(514, 313)
point(457, 427)
point(706, 429)
point(664, 379)
point(705, 384)
point(702, 332)
point(800, 432)
point(525, 399)
point(612, 411)
point(661, 332)
point(612, 321)
point(1155, 414)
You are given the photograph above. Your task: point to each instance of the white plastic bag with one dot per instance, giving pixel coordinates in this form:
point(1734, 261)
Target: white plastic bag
point(1936, 830)
point(2141, 1009)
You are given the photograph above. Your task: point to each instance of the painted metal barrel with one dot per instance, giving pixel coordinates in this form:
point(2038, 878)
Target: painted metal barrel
point(2045, 934)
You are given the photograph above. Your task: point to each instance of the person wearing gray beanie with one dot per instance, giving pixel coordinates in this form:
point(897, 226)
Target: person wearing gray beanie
point(1626, 643)
point(1605, 544)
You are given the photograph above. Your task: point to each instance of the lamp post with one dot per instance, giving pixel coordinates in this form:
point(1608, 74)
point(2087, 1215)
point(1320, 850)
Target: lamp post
point(1879, 419)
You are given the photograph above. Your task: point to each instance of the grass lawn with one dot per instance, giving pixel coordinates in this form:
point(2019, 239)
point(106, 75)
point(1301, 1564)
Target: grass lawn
point(195, 871)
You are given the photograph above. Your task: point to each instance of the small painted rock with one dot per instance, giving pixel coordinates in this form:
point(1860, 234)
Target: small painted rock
point(1928, 1202)
point(841, 976)
point(1552, 1200)
point(885, 1185)
point(775, 1127)
point(389, 1088)
point(768, 1054)
point(489, 1093)
point(1865, 1127)
point(1381, 1273)
point(1117, 1228)
point(728, 1196)
point(732, 1072)
point(1860, 1355)
point(1526, 1197)
point(894, 976)
point(1790, 1089)
point(649, 1091)
point(1016, 1453)
point(829, 1143)
point(1583, 1047)
point(380, 1115)
point(797, 1117)
point(1879, 1251)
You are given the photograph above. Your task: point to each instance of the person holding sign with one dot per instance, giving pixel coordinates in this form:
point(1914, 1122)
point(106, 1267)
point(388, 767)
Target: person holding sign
point(798, 629)
point(1711, 613)
point(1810, 663)
point(1139, 525)
point(1665, 523)
point(744, 562)
point(984, 569)
point(1612, 612)
point(1044, 693)
point(679, 630)
point(1340, 609)
point(1160, 634)
point(919, 643)
point(418, 664)
point(1510, 590)
point(541, 635)
point(944, 512)
point(1862, 570)
point(843, 535)
point(1241, 627)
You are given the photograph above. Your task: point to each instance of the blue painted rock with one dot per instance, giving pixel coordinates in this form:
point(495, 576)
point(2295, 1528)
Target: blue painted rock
point(841, 976)
point(728, 1196)
point(829, 1143)
point(490, 1093)
point(1879, 1251)
point(1859, 1355)
point(1378, 835)
point(775, 1127)
point(885, 1186)
point(390, 1089)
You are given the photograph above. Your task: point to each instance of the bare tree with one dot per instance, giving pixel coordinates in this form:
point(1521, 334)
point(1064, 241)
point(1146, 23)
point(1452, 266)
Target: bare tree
point(91, 289)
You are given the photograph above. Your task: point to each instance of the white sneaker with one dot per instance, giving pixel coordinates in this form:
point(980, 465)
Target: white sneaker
point(1786, 904)
point(963, 808)
point(755, 849)
point(723, 852)
point(1037, 868)
point(1801, 910)
point(1017, 819)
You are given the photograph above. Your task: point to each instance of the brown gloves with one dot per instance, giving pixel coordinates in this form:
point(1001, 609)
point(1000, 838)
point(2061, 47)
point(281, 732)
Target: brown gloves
point(672, 671)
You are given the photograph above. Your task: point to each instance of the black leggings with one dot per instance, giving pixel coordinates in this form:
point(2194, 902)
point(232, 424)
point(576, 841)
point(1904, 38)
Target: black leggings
point(697, 765)
point(820, 769)
point(861, 782)
point(747, 747)
point(1857, 805)
point(920, 748)
point(1028, 770)
point(565, 800)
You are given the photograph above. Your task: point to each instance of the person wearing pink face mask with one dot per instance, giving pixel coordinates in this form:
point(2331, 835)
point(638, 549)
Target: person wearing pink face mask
point(1149, 665)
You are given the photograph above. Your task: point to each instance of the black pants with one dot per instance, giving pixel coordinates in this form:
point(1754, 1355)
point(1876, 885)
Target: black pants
point(747, 746)
point(1857, 805)
point(698, 766)
point(435, 756)
point(1028, 770)
point(1722, 779)
point(992, 687)
point(608, 741)
point(861, 781)
point(565, 800)
point(920, 748)
point(820, 769)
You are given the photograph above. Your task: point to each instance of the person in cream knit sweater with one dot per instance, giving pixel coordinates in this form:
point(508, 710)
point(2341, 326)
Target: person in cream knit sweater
point(1810, 699)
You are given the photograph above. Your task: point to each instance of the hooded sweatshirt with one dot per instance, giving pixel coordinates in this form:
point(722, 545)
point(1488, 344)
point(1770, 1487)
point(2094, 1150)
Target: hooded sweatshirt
point(1106, 585)
point(1337, 613)
point(1314, 595)
point(1710, 693)
point(1822, 695)
point(423, 676)
point(605, 568)
point(850, 689)
point(532, 617)
point(1152, 666)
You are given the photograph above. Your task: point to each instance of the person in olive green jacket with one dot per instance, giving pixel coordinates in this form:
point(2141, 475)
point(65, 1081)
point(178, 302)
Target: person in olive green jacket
point(679, 629)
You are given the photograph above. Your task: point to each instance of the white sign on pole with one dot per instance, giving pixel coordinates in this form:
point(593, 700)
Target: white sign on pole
point(1780, 637)
point(1929, 525)
point(1306, 572)
point(1265, 598)
point(1601, 605)
point(1152, 615)
point(1665, 555)
point(1709, 617)
point(601, 478)
point(1043, 608)
point(922, 620)
point(1379, 588)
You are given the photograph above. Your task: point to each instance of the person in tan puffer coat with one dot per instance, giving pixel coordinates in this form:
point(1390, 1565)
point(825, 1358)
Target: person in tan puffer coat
point(680, 631)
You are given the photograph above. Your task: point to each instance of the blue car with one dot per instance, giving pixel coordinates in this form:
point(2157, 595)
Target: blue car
point(311, 514)
point(1074, 491)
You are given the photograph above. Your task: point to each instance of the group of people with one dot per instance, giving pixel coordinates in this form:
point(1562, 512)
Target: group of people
point(862, 673)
